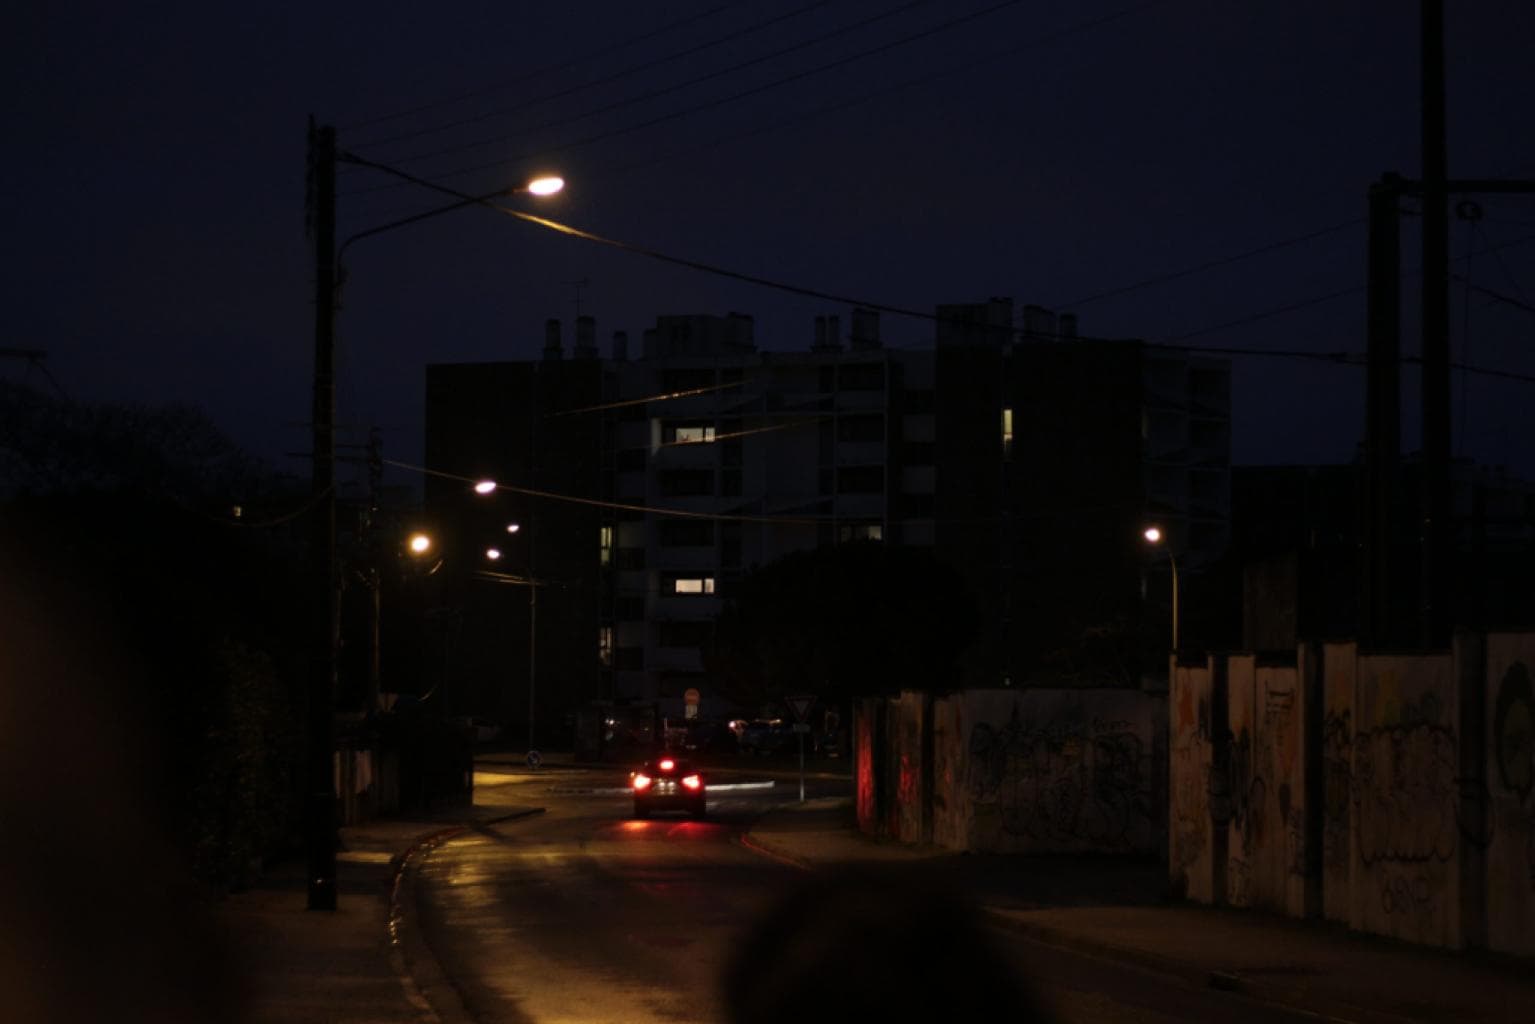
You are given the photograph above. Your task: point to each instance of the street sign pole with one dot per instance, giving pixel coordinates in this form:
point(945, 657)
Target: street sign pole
point(801, 767)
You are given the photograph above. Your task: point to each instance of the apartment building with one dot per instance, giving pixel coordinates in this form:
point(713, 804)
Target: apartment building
point(650, 481)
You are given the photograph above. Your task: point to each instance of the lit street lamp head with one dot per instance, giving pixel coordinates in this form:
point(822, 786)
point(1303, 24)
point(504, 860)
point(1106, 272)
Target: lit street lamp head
point(1153, 534)
point(494, 554)
point(546, 186)
point(485, 487)
point(513, 527)
point(420, 543)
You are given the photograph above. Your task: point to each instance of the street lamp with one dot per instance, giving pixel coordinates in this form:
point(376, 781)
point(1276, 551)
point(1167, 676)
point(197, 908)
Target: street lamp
point(325, 637)
point(1155, 536)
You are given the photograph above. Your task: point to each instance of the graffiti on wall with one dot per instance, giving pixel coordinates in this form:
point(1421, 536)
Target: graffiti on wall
point(1068, 784)
point(1513, 739)
point(1190, 781)
point(1337, 786)
point(1406, 788)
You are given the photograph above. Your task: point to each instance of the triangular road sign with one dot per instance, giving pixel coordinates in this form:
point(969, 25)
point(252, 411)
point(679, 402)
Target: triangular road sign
point(800, 706)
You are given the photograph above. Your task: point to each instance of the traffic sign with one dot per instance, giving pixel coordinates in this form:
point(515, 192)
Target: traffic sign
point(800, 705)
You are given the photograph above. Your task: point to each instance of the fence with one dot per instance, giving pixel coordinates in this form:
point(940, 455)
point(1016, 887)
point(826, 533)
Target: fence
point(1391, 792)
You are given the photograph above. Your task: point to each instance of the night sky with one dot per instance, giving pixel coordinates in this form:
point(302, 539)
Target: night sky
point(904, 154)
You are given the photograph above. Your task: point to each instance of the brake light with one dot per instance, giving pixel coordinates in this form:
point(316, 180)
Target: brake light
point(641, 781)
point(692, 781)
point(668, 764)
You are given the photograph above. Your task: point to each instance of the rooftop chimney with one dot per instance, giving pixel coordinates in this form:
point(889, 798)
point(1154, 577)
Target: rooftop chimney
point(552, 339)
point(586, 337)
point(865, 329)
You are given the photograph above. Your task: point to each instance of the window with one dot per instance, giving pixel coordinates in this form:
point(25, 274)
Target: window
point(860, 480)
point(861, 376)
point(1007, 432)
point(686, 533)
point(684, 634)
point(629, 659)
point(605, 545)
point(861, 428)
point(860, 531)
point(693, 585)
point(630, 608)
point(631, 460)
point(605, 646)
point(686, 483)
point(693, 435)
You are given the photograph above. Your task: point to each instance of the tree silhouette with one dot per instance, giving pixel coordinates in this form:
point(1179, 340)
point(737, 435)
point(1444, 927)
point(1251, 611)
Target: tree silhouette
point(852, 620)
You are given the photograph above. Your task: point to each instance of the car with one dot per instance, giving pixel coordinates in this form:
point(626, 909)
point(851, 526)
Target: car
point(766, 736)
point(668, 783)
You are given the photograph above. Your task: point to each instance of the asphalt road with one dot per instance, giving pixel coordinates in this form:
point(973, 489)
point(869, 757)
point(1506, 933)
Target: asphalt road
point(583, 914)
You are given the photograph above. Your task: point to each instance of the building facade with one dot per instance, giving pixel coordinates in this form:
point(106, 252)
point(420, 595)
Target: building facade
point(651, 481)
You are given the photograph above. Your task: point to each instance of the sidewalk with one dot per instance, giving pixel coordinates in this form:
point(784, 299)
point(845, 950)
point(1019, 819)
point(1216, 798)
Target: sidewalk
point(326, 967)
point(1116, 910)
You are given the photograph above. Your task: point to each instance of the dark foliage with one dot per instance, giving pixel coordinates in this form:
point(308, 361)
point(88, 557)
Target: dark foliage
point(846, 621)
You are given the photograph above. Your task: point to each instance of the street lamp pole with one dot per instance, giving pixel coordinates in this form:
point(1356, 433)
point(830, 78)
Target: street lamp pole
point(1154, 535)
point(324, 567)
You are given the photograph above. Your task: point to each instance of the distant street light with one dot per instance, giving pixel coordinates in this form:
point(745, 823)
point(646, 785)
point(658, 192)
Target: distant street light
point(485, 487)
point(420, 543)
point(1154, 535)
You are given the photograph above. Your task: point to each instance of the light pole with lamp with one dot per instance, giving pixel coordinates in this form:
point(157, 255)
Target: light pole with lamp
point(1154, 535)
point(325, 634)
point(493, 554)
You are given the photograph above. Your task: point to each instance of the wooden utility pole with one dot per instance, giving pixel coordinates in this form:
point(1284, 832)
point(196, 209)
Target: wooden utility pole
point(325, 618)
point(1434, 595)
point(1383, 415)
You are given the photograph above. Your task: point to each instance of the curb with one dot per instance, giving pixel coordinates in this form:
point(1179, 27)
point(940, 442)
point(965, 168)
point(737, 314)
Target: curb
point(428, 990)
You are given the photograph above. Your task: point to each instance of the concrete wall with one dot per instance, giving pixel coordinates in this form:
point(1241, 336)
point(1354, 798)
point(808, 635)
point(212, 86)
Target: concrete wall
point(905, 732)
point(1190, 855)
point(1338, 681)
point(1265, 865)
point(1405, 787)
point(1510, 783)
point(1047, 771)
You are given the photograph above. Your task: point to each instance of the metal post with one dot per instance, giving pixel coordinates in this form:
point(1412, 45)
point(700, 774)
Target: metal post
point(325, 579)
point(801, 767)
point(1435, 596)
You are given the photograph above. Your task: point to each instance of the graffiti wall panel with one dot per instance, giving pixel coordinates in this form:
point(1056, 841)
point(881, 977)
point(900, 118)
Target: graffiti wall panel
point(1509, 830)
point(1338, 680)
point(1053, 771)
point(1406, 798)
point(1277, 860)
point(1190, 859)
point(863, 765)
point(952, 813)
point(1247, 790)
point(906, 755)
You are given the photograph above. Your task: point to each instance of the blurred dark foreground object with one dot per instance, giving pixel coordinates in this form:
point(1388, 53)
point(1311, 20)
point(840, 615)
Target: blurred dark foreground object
point(871, 943)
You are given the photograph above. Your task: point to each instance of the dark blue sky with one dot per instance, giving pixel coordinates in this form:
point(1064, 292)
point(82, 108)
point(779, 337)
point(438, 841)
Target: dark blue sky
point(1047, 150)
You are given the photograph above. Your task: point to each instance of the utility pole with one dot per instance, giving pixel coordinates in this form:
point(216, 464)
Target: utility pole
point(1383, 414)
point(375, 574)
point(324, 570)
point(1434, 598)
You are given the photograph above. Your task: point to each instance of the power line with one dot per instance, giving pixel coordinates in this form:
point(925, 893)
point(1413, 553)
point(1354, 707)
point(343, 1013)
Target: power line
point(1167, 343)
point(1212, 264)
point(537, 73)
point(721, 101)
point(584, 86)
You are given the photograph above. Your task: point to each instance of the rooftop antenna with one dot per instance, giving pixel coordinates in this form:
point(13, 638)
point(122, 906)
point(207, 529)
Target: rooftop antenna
point(578, 285)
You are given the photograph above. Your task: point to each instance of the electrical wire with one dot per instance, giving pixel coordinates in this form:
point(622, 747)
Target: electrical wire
point(538, 72)
point(1213, 264)
point(609, 79)
point(720, 101)
point(598, 503)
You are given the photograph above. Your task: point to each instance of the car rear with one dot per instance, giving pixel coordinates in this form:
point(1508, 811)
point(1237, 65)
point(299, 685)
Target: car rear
point(668, 784)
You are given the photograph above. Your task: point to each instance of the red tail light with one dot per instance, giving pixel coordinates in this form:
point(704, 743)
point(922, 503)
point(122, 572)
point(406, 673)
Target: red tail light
point(692, 781)
point(641, 781)
point(668, 764)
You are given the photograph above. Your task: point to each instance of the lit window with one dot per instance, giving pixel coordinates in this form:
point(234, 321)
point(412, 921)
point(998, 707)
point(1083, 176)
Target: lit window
point(1007, 432)
point(694, 435)
point(605, 645)
point(605, 545)
point(695, 585)
point(862, 531)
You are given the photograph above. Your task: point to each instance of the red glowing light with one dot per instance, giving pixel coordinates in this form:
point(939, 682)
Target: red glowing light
point(668, 764)
point(692, 781)
point(641, 781)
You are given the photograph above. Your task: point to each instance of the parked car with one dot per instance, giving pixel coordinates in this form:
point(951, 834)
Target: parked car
point(767, 736)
